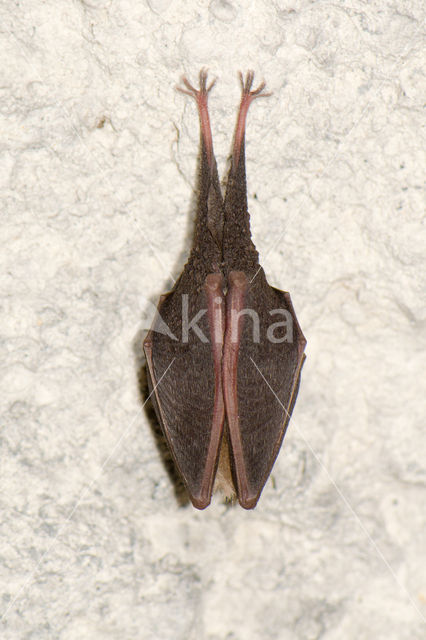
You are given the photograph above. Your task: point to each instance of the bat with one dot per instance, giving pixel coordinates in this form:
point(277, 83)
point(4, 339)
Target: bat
point(225, 351)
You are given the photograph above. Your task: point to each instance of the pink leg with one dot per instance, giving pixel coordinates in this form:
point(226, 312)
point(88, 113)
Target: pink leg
point(247, 97)
point(200, 95)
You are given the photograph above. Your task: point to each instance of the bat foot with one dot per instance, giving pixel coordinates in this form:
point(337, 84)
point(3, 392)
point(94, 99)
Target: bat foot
point(247, 96)
point(200, 96)
point(200, 93)
point(246, 85)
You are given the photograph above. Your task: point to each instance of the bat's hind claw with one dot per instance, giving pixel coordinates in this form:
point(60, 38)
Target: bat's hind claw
point(192, 91)
point(246, 85)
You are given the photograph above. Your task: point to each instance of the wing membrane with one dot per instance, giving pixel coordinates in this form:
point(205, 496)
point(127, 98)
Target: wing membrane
point(261, 373)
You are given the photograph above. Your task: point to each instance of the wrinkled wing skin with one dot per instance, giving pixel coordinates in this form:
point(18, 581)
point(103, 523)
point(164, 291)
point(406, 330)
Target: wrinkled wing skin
point(257, 427)
point(187, 399)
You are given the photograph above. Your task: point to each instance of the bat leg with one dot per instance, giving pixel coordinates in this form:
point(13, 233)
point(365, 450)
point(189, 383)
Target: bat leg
point(247, 97)
point(200, 96)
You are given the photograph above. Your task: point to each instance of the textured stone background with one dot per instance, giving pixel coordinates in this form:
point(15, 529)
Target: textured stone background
point(97, 168)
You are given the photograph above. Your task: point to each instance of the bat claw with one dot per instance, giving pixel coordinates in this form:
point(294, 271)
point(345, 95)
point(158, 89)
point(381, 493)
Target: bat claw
point(246, 85)
point(192, 91)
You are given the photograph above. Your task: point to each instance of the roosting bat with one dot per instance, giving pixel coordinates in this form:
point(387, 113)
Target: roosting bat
point(225, 374)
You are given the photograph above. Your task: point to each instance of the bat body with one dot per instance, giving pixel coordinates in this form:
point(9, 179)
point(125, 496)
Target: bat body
point(225, 375)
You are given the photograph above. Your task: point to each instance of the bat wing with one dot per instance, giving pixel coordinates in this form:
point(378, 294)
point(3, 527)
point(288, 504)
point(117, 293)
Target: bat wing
point(186, 383)
point(184, 362)
point(262, 360)
point(263, 346)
